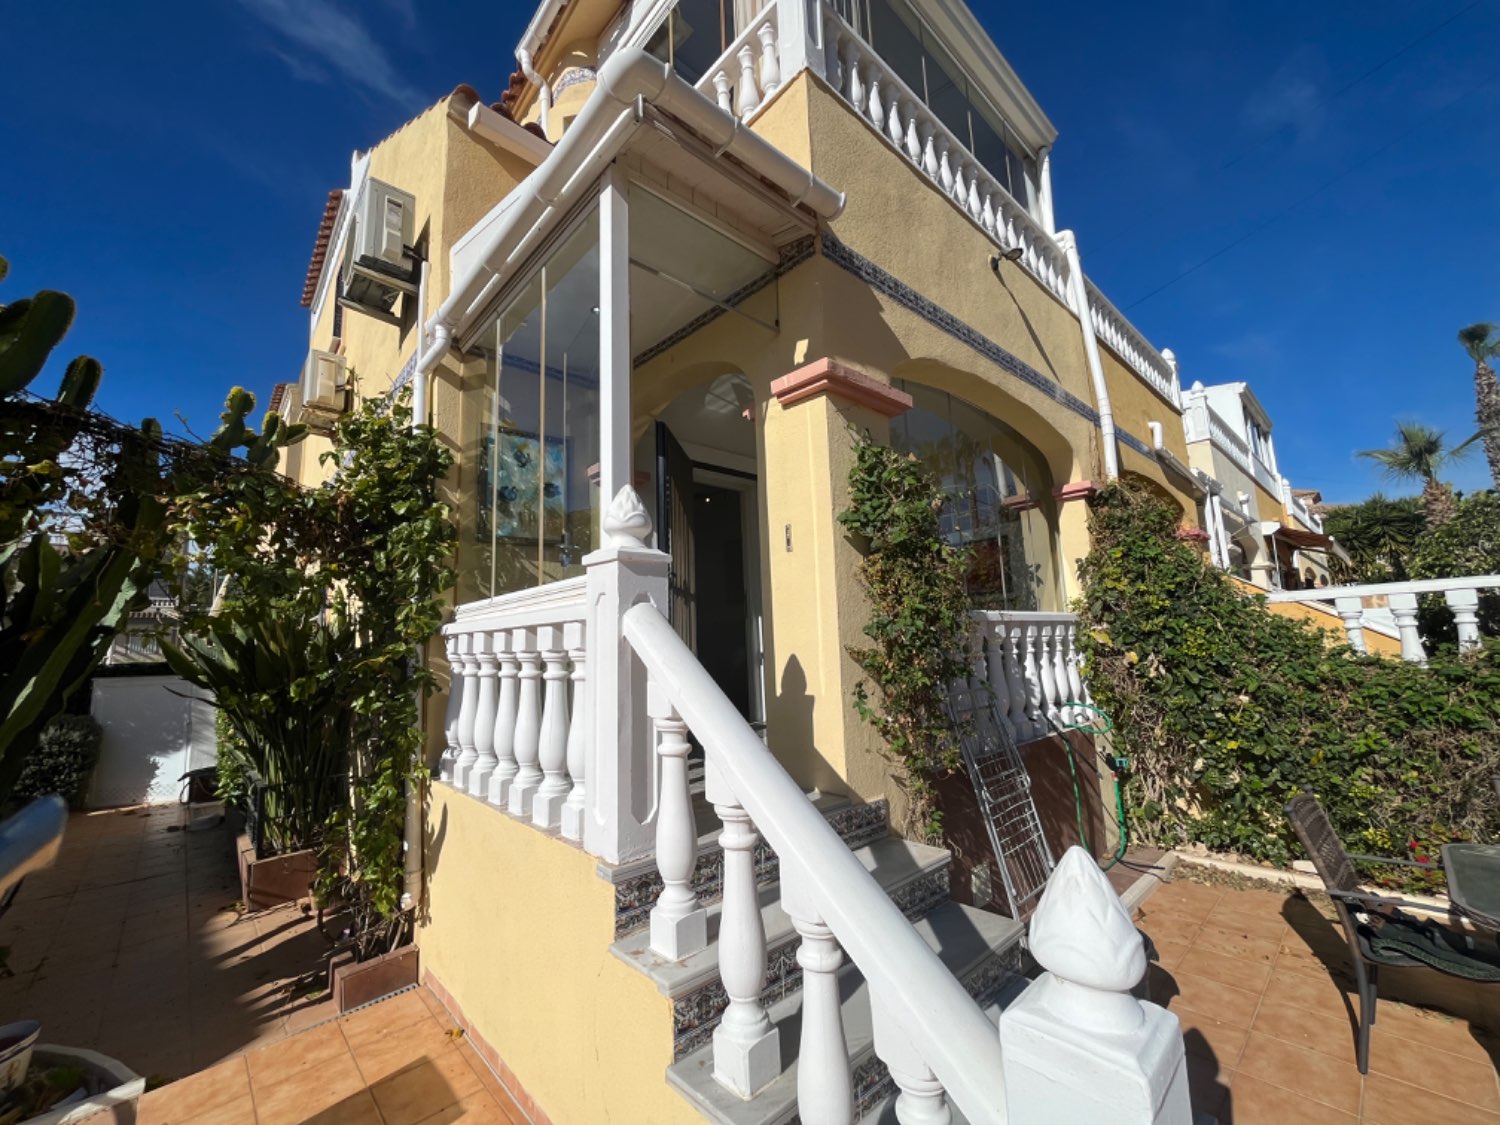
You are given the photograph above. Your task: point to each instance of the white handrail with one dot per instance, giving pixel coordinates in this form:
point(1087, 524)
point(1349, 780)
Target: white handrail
point(1461, 594)
point(951, 1032)
point(1385, 589)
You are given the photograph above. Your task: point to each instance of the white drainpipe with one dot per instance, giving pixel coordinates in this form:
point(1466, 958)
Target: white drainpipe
point(1069, 244)
point(543, 91)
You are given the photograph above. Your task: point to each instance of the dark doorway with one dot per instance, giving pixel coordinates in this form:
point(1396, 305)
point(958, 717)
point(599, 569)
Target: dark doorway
point(720, 590)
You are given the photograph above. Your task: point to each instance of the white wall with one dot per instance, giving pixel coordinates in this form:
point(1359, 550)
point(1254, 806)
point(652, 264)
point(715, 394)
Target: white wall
point(156, 728)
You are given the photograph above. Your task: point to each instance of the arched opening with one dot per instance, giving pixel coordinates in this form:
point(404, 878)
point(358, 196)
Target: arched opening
point(697, 467)
point(1000, 504)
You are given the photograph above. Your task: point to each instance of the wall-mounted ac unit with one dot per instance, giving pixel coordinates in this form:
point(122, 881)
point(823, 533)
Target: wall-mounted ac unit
point(325, 393)
point(378, 263)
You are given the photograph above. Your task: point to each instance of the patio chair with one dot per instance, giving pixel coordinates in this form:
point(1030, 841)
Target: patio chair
point(1379, 933)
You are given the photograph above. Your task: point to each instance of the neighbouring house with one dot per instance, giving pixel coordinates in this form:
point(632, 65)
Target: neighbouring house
point(649, 299)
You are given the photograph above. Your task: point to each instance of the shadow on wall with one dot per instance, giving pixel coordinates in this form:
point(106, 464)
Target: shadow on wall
point(793, 740)
point(146, 743)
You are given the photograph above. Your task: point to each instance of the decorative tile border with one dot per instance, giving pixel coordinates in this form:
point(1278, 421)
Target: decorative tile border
point(695, 1015)
point(857, 825)
point(940, 318)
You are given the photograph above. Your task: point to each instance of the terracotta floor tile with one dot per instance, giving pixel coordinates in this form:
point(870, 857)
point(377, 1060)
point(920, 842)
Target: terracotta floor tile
point(478, 1109)
point(386, 1016)
point(1260, 901)
point(278, 1063)
point(1474, 1047)
point(1255, 1102)
point(1433, 1029)
point(1169, 953)
point(1262, 924)
point(1390, 1102)
point(1234, 1006)
point(1461, 1079)
point(381, 1056)
point(433, 1004)
point(1185, 897)
point(1328, 1035)
point(303, 1095)
point(1322, 995)
point(1211, 1038)
point(1169, 927)
point(412, 1094)
point(1307, 1073)
point(1242, 972)
point(191, 1097)
point(357, 1109)
point(1236, 943)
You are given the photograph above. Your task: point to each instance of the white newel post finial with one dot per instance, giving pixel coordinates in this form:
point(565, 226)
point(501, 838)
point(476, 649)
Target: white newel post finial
point(1079, 1019)
point(619, 752)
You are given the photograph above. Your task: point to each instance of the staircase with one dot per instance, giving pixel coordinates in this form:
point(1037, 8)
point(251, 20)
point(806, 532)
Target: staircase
point(981, 949)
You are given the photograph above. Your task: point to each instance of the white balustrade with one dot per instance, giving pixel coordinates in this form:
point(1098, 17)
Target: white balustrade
point(679, 924)
point(512, 734)
point(1126, 341)
point(468, 668)
point(498, 792)
point(825, 1091)
point(1035, 669)
point(747, 1048)
point(1361, 613)
point(450, 712)
point(578, 734)
point(477, 781)
point(750, 71)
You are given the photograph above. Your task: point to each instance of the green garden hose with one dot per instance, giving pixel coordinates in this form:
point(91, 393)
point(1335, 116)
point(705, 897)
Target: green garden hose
point(1115, 766)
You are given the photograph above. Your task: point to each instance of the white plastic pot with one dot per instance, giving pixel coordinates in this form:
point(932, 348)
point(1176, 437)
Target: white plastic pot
point(16, 1042)
point(116, 1084)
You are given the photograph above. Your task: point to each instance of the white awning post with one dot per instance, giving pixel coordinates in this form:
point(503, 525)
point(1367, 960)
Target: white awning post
point(614, 337)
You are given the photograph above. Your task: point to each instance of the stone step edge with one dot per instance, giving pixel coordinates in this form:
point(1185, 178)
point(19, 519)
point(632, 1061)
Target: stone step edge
point(993, 979)
point(637, 884)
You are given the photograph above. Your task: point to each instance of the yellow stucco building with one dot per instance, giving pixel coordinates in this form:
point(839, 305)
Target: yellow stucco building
point(651, 299)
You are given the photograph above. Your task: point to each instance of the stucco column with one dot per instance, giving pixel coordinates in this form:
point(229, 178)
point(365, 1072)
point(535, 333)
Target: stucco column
point(1073, 541)
point(816, 608)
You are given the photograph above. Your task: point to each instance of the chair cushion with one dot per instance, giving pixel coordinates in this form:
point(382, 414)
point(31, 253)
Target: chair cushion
point(1399, 938)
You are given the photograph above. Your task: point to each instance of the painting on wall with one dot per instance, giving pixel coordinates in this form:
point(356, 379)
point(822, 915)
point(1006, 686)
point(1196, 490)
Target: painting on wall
point(524, 476)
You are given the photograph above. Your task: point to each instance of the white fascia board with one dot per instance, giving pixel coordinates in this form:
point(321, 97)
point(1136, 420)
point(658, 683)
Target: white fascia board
point(496, 127)
point(1253, 405)
point(976, 53)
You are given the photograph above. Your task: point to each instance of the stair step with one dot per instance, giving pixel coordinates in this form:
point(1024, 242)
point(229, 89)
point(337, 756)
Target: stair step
point(914, 875)
point(981, 949)
point(637, 884)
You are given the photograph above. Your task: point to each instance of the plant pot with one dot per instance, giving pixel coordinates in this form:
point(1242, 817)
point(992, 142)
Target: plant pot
point(111, 1087)
point(16, 1042)
point(356, 983)
point(276, 879)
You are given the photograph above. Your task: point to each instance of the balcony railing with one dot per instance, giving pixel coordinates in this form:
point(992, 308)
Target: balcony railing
point(1358, 609)
point(750, 71)
point(1126, 341)
point(1032, 664)
point(1303, 514)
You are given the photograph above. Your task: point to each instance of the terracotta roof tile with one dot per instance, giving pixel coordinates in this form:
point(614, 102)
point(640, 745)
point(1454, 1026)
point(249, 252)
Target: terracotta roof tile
point(320, 246)
point(278, 395)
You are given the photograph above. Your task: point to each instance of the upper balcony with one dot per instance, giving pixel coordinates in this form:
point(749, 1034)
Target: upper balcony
point(930, 82)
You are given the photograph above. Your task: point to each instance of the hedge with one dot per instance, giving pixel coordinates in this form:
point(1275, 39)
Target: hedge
point(1227, 710)
point(62, 761)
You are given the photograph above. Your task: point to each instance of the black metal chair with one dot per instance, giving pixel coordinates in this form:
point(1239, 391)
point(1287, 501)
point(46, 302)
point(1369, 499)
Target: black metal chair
point(1378, 932)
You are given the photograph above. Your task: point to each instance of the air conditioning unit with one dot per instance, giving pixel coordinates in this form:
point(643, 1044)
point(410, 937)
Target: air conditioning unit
point(379, 266)
point(325, 383)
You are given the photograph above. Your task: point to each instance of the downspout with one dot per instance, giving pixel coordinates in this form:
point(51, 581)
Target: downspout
point(543, 91)
point(1069, 244)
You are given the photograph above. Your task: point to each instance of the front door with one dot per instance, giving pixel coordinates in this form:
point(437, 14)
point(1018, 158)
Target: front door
point(709, 518)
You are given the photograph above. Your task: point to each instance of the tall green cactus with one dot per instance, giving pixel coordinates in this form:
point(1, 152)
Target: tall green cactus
point(61, 607)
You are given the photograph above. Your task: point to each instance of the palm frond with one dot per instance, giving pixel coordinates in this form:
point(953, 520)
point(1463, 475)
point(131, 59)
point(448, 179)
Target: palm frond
point(1481, 341)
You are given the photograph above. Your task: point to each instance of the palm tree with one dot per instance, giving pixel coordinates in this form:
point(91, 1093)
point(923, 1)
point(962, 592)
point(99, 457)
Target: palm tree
point(1380, 535)
point(1482, 342)
point(1420, 453)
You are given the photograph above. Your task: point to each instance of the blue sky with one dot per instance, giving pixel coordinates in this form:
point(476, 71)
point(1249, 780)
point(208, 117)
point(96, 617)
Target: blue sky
point(167, 165)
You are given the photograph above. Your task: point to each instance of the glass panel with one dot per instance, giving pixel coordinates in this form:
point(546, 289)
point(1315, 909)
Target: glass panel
point(683, 269)
point(897, 36)
point(538, 509)
point(947, 90)
point(696, 33)
point(1000, 505)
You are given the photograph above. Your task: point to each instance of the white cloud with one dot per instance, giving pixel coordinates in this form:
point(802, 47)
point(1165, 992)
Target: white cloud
point(1293, 99)
point(319, 35)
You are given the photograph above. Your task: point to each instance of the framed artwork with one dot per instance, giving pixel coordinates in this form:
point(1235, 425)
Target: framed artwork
point(523, 474)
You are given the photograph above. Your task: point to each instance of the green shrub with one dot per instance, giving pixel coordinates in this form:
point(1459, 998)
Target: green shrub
point(63, 760)
point(1227, 710)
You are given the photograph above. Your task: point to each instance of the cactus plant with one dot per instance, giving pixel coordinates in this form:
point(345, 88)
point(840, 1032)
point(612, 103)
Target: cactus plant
point(62, 602)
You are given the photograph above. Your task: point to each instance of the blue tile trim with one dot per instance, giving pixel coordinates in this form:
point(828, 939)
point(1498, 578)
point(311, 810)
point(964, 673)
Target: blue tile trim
point(939, 317)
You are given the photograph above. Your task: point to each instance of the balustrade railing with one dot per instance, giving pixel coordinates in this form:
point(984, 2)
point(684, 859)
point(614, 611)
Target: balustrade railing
point(750, 71)
point(877, 94)
point(1357, 608)
point(1126, 341)
point(517, 721)
point(1032, 663)
point(880, 96)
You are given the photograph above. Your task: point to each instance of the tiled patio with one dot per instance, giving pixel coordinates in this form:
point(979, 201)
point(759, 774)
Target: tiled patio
point(397, 1062)
point(130, 945)
point(1261, 982)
